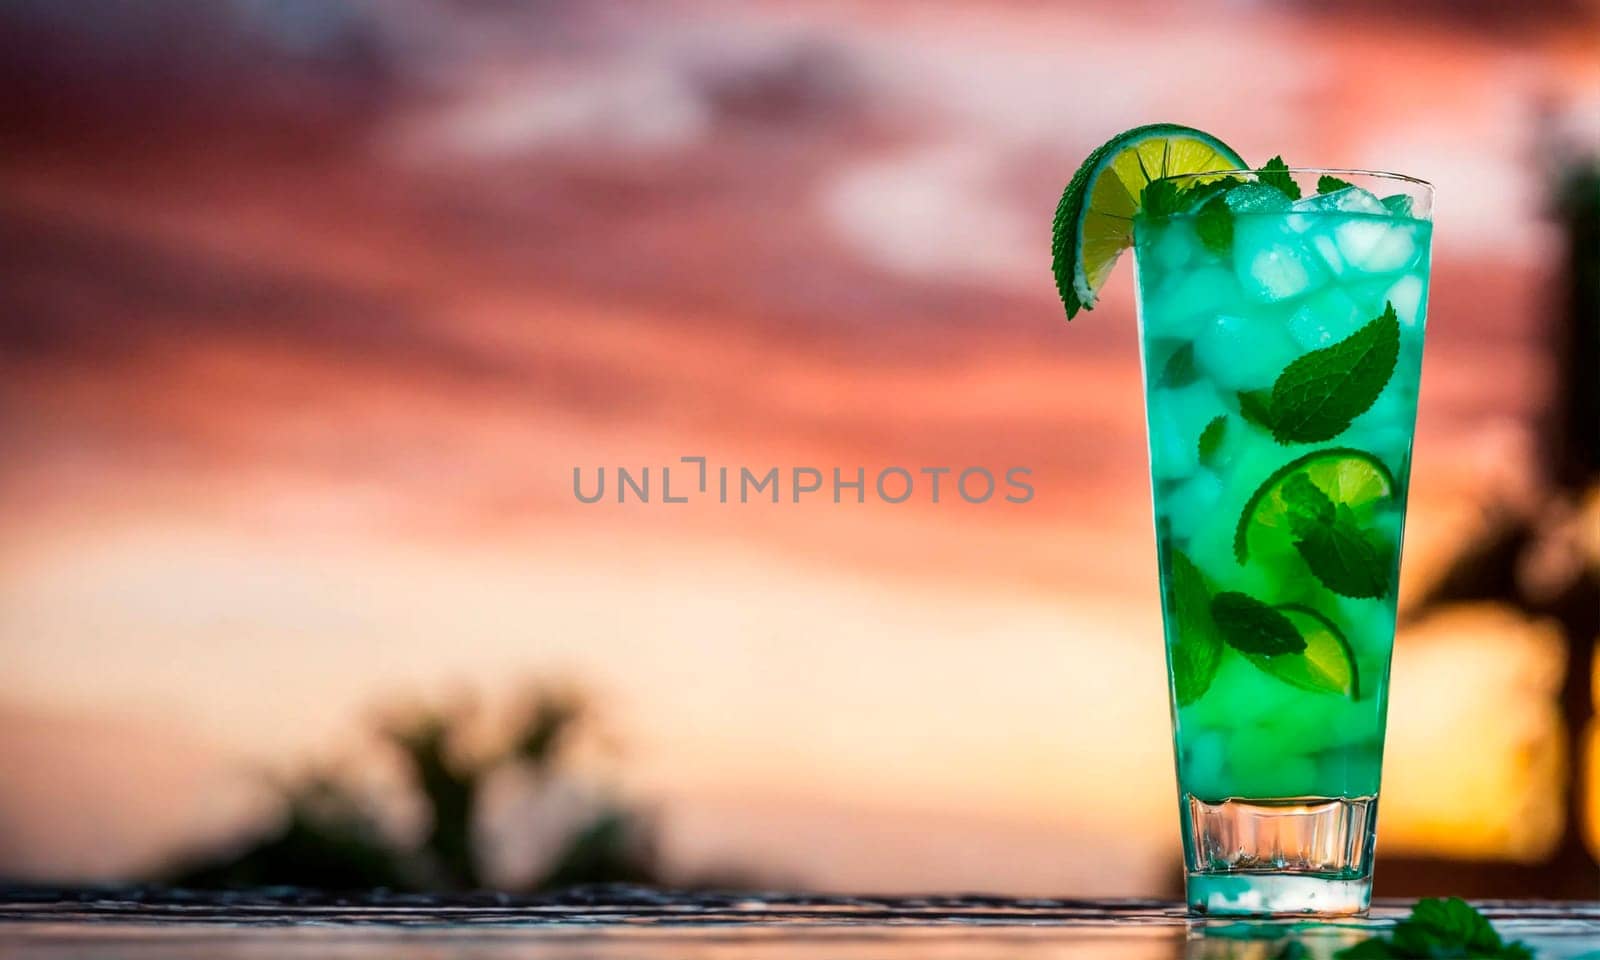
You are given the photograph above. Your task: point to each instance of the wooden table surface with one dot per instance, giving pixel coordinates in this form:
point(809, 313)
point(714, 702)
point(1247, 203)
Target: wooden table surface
point(611, 923)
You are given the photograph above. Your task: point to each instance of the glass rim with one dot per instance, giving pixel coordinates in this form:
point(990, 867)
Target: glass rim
point(1350, 171)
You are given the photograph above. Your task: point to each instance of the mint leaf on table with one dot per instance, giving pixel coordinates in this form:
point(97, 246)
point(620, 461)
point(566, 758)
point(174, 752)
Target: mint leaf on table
point(1198, 650)
point(1316, 396)
point(1275, 173)
point(1327, 184)
point(1439, 929)
point(1453, 925)
point(1250, 626)
point(1179, 370)
point(1211, 438)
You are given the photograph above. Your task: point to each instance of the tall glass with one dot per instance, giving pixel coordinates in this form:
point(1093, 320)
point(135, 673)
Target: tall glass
point(1282, 347)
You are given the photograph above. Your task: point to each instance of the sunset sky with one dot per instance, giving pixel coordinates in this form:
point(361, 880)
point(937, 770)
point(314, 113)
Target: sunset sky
point(308, 319)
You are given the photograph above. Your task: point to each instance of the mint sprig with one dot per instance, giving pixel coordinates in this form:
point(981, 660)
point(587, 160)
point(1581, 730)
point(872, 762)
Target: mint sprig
point(1213, 220)
point(1250, 626)
point(1197, 649)
point(1348, 559)
point(1160, 198)
point(1275, 173)
point(1163, 198)
point(1316, 396)
point(1439, 928)
point(1327, 184)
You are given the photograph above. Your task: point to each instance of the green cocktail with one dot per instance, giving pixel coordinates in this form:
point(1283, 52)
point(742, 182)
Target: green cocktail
point(1282, 344)
point(1281, 319)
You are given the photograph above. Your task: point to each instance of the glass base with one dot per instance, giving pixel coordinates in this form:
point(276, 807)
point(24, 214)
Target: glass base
point(1306, 855)
point(1277, 895)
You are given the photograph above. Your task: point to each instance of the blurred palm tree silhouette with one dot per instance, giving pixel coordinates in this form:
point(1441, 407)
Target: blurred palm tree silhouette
point(329, 838)
point(1544, 561)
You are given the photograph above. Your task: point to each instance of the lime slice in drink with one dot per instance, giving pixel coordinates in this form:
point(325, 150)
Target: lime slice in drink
point(1327, 664)
point(1094, 220)
point(1347, 476)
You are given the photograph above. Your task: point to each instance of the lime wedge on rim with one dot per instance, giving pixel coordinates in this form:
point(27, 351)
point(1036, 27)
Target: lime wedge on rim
point(1348, 476)
point(1094, 220)
point(1327, 665)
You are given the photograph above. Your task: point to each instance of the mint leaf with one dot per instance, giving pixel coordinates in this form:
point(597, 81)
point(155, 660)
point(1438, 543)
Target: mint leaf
point(1349, 560)
point(1251, 626)
point(1256, 407)
point(1308, 505)
point(1214, 225)
point(1179, 370)
point(1211, 438)
point(1327, 184)
point(1450, 923)
point(1160, 198)
point(1316, 396)
point(1197, 649)
point(1198, 193)
point(1163, 198)
point(1275, 173)
point(1439, 928)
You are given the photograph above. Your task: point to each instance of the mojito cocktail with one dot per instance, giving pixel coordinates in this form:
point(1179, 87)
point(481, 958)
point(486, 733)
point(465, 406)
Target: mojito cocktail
point(1282, 342)
point(1281, 322)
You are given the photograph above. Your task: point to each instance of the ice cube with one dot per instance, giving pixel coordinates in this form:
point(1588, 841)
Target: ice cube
point(1256, 198)
point(1272, 774)
point(1384, 429)
point(1328, 250)
point(1322, 722)
point(1368, 626)
point(1376, 245)
point(1203, 759)
point(1396, 406)
point(1267, 697)
point(1326, 317)
point(1239, 353)
point(1398, 204)
point(1267, 761)
point(1310, 215)
point(1181, 305)
point(1177, 418)
point(1190, 504)
point(1272, 261)
point(1172, 247)
point(1347, 200)
point(1406, 296)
